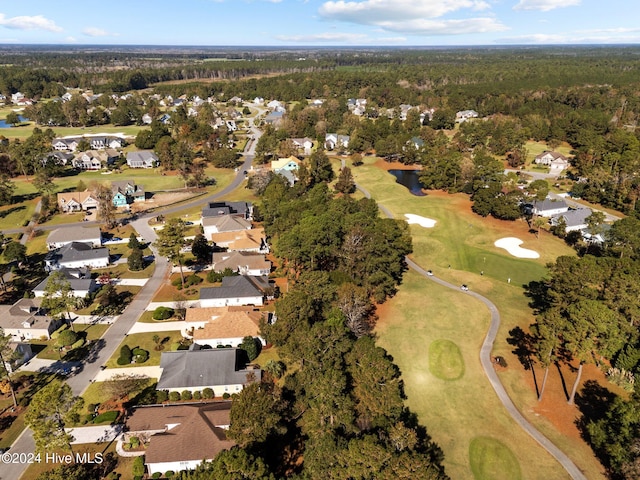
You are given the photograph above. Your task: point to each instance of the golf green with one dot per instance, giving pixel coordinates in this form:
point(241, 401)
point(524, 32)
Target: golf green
point(491, 459)
point(445, 360)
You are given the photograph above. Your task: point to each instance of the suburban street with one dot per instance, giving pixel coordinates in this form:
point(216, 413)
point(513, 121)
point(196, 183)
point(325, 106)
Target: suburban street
point(107, 345)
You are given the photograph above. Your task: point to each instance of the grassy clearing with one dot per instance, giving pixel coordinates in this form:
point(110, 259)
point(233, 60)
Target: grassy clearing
point(458, 249)
point(26, 129)
point(145, 341)
point(492, 460)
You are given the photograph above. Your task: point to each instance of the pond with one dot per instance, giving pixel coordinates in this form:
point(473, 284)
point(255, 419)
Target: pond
point(4, 124)
point(409, 178)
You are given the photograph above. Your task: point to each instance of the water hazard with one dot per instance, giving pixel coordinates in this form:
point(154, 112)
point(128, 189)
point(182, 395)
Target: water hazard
point(409, 178)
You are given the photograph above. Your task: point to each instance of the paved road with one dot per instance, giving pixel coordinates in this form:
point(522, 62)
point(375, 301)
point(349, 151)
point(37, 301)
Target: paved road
point(107, 345)
point(487, 365)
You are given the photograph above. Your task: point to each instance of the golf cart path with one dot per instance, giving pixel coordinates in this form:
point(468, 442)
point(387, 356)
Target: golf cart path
point(485, 359)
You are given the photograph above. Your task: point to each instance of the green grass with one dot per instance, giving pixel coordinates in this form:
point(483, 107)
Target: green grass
point(50, 347)
point(147, 317)
point(445, 360)
point(145, 341)
point(26, 129)
point(491, 459)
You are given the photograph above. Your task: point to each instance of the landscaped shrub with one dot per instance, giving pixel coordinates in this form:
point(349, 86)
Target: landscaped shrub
point(78, 343)
point(138, 467)
point(163, 313)
point(192, 279)
point(140, 355)
point(208, 393)
point(251, 346)
point(135, 442)
point(54, 335)
point(125, 355)
point(226, 396)
point(174, 396)
point(67, 337)
point(156, 475)
point(186, 395)
point(92, 407)
point(197, 395)
point(88, 418)
point(161, 396)
point(169, 473)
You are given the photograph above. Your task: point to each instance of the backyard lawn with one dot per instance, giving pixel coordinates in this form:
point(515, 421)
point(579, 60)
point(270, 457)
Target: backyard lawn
point(145, 342)
point(435, 334)
point(49, 350)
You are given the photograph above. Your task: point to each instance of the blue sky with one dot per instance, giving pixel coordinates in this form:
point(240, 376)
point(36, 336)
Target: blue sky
point(319, 22)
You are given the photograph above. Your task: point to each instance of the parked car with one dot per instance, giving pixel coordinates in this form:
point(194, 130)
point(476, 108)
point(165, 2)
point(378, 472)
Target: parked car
point(430, 273)
point(464, 288)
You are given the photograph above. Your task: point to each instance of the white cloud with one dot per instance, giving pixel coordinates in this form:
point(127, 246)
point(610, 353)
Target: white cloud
point(95, 32)
point(35, 22)
point(372, 12)
point(445, 27)
point(324, 37)
point(584, 38)
point(71, 39)
point(545, 5)
point(412, 17)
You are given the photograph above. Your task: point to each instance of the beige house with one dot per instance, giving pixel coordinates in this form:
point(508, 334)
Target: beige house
point(244, 263)
point(70, 202)
point(223, 326)
point(26, 320)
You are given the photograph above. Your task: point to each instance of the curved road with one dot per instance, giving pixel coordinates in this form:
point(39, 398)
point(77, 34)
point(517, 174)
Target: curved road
point(485, 359)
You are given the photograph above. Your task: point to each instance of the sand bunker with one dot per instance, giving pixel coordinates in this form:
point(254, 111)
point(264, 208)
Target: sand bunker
point(512, 245)
point(422, 221)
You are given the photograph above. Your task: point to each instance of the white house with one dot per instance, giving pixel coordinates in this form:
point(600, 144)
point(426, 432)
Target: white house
point(549, 208)
point(572, 219)
point(224, 223)
point(26, 320)
point(235, 291)
point(79, 280)
point(223, 326)
point(465, 115)
point(63, 236)
point(218, 369)
point(76, 255)
point(142, 159)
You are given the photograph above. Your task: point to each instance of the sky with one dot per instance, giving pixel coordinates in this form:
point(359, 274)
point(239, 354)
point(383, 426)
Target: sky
point(311, 23)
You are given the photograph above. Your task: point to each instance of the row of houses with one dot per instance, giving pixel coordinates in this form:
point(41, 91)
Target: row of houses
point(123, 193)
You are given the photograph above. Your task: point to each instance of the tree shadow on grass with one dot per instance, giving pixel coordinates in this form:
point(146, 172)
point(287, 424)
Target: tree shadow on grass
point(524, 350)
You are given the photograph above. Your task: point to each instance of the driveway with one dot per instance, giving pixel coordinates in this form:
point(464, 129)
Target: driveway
point(142, 327)
point(98, 434)
point(107, 374)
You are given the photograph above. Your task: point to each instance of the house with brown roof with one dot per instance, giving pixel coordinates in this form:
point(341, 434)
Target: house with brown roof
point(223, 326)
point(180, 437)
point(244, 263)
point(70, 202)
point(252, 240)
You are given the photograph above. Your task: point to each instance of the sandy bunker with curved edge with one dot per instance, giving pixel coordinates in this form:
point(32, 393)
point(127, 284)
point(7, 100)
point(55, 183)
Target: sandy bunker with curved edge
point(512, 245)
point(422, 221)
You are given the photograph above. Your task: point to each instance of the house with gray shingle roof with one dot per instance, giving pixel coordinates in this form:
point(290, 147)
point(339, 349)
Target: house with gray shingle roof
point(142, 159)
point(221, 369)
point(572, 219)
point(26, 320)
point(63, 236)
point(79, 280)
point(235, 291)
point(549, 207)
point(76, 255)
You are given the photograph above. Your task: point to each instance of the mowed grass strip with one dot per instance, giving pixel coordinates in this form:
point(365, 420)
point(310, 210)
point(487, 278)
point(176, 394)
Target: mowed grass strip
point(491, 459)
point(445, 360)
